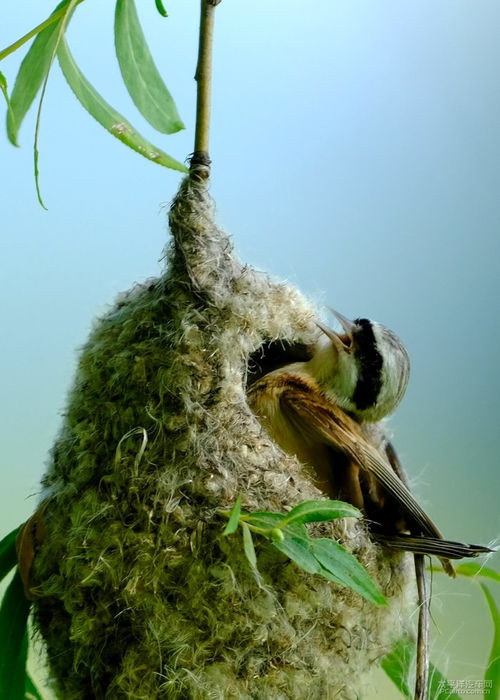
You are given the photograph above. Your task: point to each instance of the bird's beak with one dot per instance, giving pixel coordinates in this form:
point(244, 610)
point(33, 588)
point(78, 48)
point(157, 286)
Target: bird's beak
point(341, 342)
point(347, 325)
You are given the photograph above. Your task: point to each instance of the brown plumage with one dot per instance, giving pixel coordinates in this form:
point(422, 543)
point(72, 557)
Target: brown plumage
point(292, 406)
point(300, 407)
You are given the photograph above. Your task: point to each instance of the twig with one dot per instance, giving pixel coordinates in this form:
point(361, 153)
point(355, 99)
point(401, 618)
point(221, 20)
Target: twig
point(203, 79)
point(422, 661)
point(422, 669)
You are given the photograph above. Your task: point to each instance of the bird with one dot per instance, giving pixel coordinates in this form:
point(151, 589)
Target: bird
point(318, 410)
point(323, 411)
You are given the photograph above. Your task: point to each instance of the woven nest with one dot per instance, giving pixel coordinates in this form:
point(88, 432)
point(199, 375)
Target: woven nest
point(141, 595)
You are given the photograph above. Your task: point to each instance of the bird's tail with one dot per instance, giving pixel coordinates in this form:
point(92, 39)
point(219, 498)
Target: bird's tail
point(431, 545)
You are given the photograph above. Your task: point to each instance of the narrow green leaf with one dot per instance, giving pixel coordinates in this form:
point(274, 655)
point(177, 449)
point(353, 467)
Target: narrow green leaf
point(31, 691)
point(109, 118)
point(14, 612)
point(249, 550)
point(492, 673)
point(299, 551)
point(233, 518)
point(472, 568)
point(331, 577)
point(160, 8)
point(33, 32)
point(32, 73)
point(5, 92)
point(316, 511)
point(3, 89)
point(248, 547)
point(399, 666)
point(439, 687)
point(8, 555)
point(346, 568)
point(140, 75)
point(59, 29)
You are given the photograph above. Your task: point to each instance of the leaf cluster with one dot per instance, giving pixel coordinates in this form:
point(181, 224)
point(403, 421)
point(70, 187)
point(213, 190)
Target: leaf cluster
point(139, 72)
point(321, 555)
point(288, 533)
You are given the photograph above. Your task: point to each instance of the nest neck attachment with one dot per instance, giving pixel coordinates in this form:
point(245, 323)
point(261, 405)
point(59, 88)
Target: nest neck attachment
point(199, 166)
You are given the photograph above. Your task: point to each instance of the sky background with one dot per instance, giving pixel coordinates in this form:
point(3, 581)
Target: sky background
point(356, 153)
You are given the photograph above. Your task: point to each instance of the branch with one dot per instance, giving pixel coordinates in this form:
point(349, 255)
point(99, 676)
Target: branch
point(422, 671)
point(203, 79)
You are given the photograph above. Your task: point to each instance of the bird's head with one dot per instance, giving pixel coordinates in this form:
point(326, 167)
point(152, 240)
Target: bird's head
point(364, 370)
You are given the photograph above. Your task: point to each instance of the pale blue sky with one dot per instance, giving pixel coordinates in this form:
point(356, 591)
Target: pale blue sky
point(356, 150)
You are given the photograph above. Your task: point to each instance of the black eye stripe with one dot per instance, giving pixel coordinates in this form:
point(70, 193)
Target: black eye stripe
point(370, 364)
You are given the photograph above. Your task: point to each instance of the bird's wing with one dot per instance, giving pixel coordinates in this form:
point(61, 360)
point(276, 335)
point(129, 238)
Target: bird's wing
point(395, 463)
point(316, 419)
point(319, 420)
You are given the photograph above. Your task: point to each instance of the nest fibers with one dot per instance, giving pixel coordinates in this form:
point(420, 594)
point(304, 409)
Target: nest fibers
point(141, 595)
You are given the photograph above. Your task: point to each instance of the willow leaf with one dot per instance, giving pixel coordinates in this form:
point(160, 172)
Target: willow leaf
point(316, 511)
point(59, 30)
point(233, 518)
point(492, 674)
point(14, 639)
point(33, 32)
point(472, 568)
point(439, 687)
point(398, 665)
point(248, 547)
point(346, 568)
point(298, 550)
point(108, 117)
point(31, 691)
point(8, 556)
point(32, 73)
point(5, 92)
point(140, 75)
point(161, 9)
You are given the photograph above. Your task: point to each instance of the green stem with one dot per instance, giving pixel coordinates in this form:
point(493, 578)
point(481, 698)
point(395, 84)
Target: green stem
point(242, 519)
point(265, 531)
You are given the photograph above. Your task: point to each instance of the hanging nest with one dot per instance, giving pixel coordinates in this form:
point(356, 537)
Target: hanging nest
point(140, 595)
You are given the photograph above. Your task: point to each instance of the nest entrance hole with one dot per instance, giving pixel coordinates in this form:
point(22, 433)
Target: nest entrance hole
point(273, 354)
